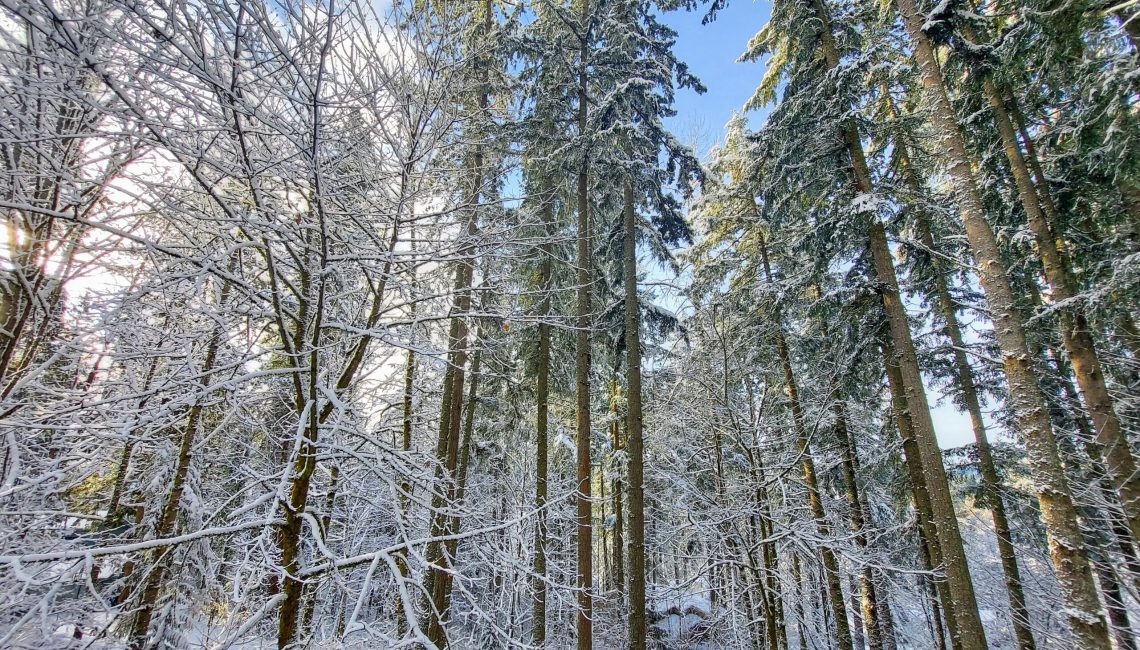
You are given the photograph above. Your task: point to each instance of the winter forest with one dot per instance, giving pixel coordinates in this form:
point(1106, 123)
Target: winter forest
point(414, 324)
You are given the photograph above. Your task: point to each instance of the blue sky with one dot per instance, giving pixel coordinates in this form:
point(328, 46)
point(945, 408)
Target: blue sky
point(711, 52)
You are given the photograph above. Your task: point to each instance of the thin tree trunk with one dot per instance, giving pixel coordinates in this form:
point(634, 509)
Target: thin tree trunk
point(886, 618)
point(309, 334)
point(455, 524)
point(542, 419)
point(1066, 545)
point(758, 584)
point(606, 579)
point(829, 633)
point(1114, 604)
point(437, 556)
point(439, 492)
point(807, 463)
point(753, 592)
point(406, 486)
point(303, 469)
point(446, 487)
point(797, 602)
point(128, 447)
point(585, 577)
point(869, 597)
point(991, 481)
point(438, 560)
point(637, 617)
point(619, 510)
point(326, 524)
point(172, 507)
point(941, 601)
point(775, 627)
point(857, 623)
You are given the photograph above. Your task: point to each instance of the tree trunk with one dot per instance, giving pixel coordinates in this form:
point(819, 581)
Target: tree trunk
point(326, 525)
point(637, 617)
point(436, 557)
point(941, 601)
point(454, 525)
point(969, 633)
point(1067, 548)
point(441, 475)
point(451, 415)
point(123, 469)
point(758, 585)
point(886, 618)
point(606, 579)
point(585, 577)
point(171, 508)
point(774, 625)
point(1114, 604)
point(991, 481)
point(542, 419)
point(1120, 530)
point(619, 510)
point(869, 597)
point(807, 463)
point(754, 599)
point(857, 622)
point(303, 470)
point(406, 486)
point(1120, 627)
point(798, 601)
